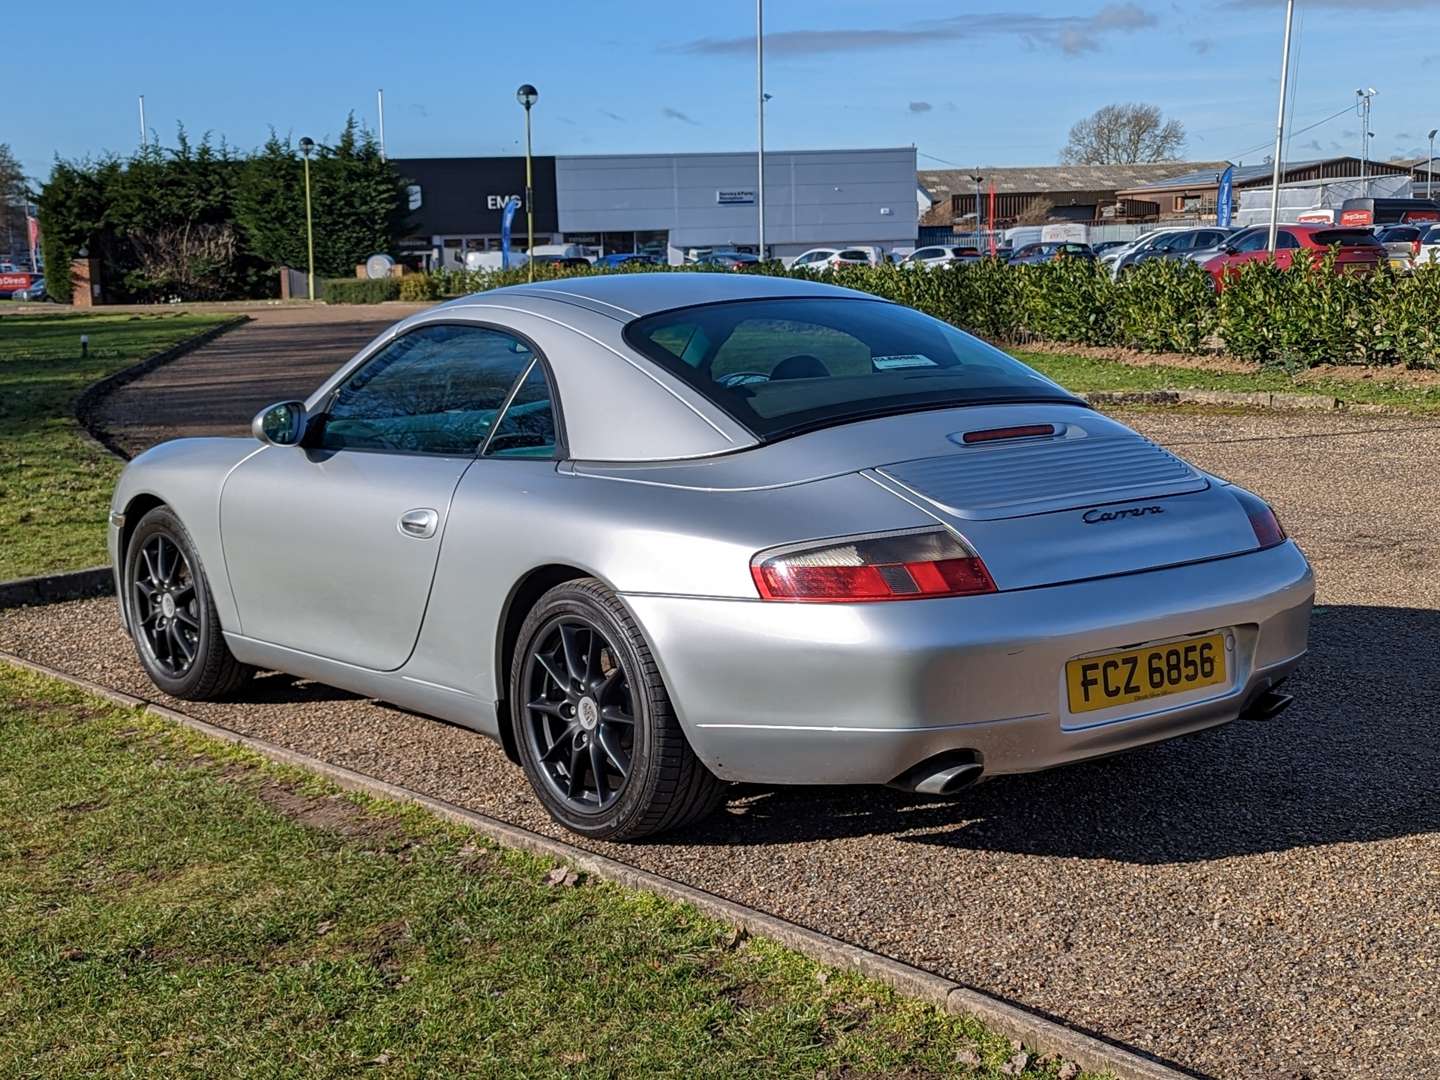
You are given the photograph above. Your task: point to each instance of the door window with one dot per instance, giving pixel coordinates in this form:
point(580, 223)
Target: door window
point(527, 430)
point(1252, 241)
point(435, 390)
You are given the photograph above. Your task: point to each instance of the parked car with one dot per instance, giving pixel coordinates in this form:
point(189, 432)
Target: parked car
point(822, 258)
point(1173, 245)
point(576, 262)
point(630, 258)
point(637, 612)
point(1106, 246)
point(940, 256)
point(1428, 252)
point(1031, 254)
point(1402, 243)
point(1356, 250)
point(34, 291)
point(1112, 257)
point(730, 260)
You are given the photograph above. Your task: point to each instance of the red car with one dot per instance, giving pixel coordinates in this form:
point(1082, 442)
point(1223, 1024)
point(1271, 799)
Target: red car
point(1357, 250)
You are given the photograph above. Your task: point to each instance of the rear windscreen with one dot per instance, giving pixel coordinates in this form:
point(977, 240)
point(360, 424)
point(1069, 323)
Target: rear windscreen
point(786, 365)
point(1345, 238)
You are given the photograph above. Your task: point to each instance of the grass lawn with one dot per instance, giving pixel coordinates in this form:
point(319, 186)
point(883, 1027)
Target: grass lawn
point(1083, 373)
point(173, 906)
point(54, 482)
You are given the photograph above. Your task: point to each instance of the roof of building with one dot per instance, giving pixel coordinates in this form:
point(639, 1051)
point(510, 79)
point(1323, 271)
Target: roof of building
point(1248, 174)
point(1007, 180)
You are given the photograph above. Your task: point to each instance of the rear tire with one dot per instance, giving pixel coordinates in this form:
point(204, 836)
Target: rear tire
point(596, 732)
point(171, 613)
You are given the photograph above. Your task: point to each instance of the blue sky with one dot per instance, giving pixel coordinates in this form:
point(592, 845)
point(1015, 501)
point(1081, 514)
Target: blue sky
point(990, 82)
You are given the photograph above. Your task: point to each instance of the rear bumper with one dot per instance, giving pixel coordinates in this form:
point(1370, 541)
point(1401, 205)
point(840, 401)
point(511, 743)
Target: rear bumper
point(857, 694)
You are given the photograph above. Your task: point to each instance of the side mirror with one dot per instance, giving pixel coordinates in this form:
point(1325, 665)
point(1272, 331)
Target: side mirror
point(282, 424)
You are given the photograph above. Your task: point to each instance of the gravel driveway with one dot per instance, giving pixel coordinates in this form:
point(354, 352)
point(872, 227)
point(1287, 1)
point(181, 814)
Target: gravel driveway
point(1258, 901)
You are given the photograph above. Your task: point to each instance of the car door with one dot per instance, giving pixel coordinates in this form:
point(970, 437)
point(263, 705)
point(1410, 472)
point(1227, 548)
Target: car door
point(331, 546)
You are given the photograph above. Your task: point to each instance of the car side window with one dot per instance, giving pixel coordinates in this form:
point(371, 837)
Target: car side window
point(527, 428)
point(1285, 241)
point(435, 390)
point(1252, 241)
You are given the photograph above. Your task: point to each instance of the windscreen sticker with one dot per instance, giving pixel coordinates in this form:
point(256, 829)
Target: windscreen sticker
point(904, 360)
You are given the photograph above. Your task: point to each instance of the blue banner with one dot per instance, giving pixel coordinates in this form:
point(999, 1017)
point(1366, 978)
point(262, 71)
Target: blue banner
point(1225, 198)
point(511, 205)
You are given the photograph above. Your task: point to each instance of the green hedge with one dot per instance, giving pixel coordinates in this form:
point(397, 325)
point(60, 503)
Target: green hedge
point(359, 290)
point(1299, 317)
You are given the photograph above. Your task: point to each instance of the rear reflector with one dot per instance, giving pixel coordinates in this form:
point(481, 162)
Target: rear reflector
point(1268, 530)
point(915, 564)
point(1029, 431)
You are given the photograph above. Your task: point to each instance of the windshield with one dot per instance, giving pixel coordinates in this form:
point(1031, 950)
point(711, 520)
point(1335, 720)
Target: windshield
point(784, 366)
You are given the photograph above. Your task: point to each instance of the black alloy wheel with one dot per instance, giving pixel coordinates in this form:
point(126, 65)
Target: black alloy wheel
point(580, 717)
point(165, 605)
point(170, 611)
point(594, 726)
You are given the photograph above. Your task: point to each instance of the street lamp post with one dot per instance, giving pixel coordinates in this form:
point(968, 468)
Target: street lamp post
point(527, 95)
point(1275, 165)
point(978, 181)
point(1363, 98)
point(307, 147)
point(760, 96)
point(1430, 167)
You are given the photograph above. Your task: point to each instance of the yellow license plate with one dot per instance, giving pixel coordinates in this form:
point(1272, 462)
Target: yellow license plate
point(1119, 678)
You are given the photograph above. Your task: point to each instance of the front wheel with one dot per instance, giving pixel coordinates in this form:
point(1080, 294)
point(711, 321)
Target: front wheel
point(597, 734)
point(171, 613)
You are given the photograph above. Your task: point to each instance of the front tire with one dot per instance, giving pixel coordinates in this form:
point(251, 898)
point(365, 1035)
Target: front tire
point(597, 734)
point(171, 613)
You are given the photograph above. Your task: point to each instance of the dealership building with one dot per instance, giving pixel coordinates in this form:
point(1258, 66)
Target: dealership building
point(672, 205)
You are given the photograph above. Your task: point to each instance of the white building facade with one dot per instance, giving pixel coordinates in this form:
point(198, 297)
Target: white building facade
point(680, 206)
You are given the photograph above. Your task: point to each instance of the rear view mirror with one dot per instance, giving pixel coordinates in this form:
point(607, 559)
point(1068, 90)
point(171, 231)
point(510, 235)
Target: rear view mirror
point(282, 424)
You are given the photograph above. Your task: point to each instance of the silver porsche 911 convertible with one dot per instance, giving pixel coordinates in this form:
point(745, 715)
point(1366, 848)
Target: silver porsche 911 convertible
point(659, 532)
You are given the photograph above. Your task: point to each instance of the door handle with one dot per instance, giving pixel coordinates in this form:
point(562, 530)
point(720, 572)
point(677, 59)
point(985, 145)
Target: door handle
point(420, 524)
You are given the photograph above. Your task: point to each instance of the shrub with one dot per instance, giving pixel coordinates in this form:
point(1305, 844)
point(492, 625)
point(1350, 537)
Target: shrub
point(415, 288)
point(1069, 300)
point(1165, 305)
point(1406, 330)
point(359, 290)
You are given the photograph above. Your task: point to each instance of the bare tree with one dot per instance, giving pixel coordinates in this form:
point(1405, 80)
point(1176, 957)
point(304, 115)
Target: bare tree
point(13, 192)
point(1123, 135)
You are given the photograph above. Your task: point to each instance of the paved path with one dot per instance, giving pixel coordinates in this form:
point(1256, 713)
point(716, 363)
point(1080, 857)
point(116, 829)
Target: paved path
point(1260, 901)
point(217, 390)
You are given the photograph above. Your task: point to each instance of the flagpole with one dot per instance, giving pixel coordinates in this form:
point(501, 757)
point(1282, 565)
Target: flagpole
point(1280, 129)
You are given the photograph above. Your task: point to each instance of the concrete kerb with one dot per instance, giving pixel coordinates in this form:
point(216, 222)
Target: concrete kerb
point(1034, 1030)
point(57, 588)
point(1253, 399)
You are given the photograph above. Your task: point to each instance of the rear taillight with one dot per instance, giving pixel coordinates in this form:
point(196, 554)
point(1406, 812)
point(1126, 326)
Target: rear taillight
point(914, 564)
point(1268, 530)
point(1415, 248)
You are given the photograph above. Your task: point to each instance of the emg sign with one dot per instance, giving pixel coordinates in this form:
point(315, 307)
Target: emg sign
point(497, 202)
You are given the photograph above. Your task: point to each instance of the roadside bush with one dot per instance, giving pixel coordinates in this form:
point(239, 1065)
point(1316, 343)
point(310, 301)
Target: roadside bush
point(416, 288)
point(1288, 318)
point(359, 290)
point(1165, 305)
point(1406, 327)
point(1070, 300)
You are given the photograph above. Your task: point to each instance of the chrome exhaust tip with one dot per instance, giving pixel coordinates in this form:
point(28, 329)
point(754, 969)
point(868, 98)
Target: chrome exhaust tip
point(1267, 706)
point(948, 781)
point(944, 774)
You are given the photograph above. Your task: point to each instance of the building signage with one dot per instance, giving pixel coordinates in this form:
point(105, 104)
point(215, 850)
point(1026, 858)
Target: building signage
point(735, 197)
point(498, 202)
